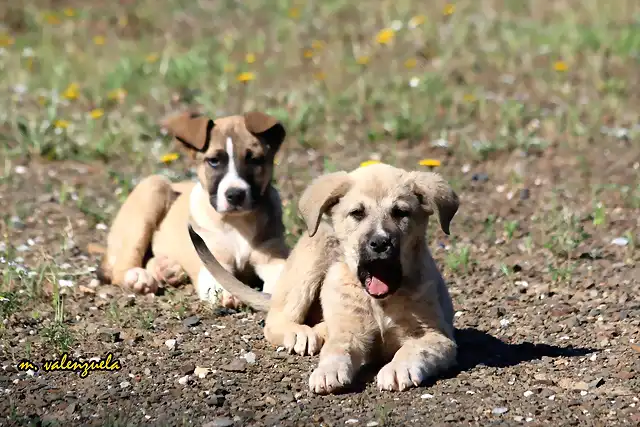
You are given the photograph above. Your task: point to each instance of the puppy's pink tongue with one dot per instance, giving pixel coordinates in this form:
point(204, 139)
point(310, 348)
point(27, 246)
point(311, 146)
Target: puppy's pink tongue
point(377, 287)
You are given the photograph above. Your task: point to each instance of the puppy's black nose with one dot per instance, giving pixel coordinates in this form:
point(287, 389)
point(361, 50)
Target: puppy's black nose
point(380, 243)
point(235, 196)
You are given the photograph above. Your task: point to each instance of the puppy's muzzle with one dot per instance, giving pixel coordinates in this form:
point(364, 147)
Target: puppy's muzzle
point(380, 269)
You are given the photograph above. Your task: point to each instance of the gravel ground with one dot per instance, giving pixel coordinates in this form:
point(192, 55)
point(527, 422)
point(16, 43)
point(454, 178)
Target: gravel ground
point(537, 346)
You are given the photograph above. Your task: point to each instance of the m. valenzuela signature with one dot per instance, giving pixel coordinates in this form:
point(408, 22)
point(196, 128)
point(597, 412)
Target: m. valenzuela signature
point(66, 363)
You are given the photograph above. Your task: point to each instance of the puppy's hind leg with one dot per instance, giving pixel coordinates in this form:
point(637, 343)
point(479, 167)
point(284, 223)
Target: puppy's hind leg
point(131, 232)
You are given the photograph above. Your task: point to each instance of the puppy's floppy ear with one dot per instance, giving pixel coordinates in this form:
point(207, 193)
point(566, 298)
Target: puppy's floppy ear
point(434, 192)
point(323, 192)
point(266, 128)
point(191, 129)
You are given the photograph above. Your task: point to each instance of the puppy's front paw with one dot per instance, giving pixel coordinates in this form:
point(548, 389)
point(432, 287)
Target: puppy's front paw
point(140, 281)
point(227, 300)
point(169, 271)
point(400, 375)
point(302, 340)
point(332, 374)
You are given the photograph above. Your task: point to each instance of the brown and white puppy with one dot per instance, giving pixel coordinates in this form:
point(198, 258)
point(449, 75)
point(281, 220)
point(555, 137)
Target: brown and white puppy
point(382, 297)
point(232, 202)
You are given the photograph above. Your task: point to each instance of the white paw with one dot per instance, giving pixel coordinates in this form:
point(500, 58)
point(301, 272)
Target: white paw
point(302, 339)
point(400, 375)
point(140, 281)
point(210, 290)
point(332, 374)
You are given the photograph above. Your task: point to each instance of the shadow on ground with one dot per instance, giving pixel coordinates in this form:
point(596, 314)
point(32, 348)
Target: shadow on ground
point(479, 348)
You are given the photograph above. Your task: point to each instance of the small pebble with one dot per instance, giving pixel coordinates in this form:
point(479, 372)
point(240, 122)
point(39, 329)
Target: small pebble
point(372, 424)
point(480, 177)
point(201, 372)
point(351, 421)
point(183, 380)
point(191, 321)
point(500, 410)
point(125, 384)
point(504, 323)
point(65, 283)
point(171, 343)
point(250, 357)
point(426, 396)
point(219, 422)
point(528, 393)
point(620, 241)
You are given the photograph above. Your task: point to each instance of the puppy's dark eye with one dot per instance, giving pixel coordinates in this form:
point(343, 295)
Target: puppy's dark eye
point(257, 161)
point(214, 162)
point(357, 214)
point(400, 212)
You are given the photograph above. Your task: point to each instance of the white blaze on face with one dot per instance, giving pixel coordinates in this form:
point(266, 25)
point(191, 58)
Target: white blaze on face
point(231, 180)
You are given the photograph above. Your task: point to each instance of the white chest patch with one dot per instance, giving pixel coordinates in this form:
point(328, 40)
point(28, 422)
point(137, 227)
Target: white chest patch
point(241, 247)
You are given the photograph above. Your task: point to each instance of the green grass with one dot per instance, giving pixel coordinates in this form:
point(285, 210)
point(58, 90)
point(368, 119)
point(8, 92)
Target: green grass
point(91, 82)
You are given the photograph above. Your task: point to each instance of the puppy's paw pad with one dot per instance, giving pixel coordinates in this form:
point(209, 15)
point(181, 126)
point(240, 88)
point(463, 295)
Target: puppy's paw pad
point(400, 376)
point(169, 271)
point(140, 281)
point(331, 376)
point(302, 340)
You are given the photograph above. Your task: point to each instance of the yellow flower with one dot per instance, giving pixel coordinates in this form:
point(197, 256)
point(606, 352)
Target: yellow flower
point(61, 124)
point(229, 68)
point(117, 94)
point(69, 12)
point(429, 162)
point(250, 58)
point(560, 66)
point(319, 76)
point(170, 157)
point(308, 54)
point(123, 21)
point(5, 40)
point(51, 19)
point(362, 60)
point(72, 91)
point(42, 101)
point(369, 163)
point(294, 12)
point(97, 113)
point(410, 63)
point(247, 76)
point(385, 36)
point(99, 40)
point(416, 21)
point(151, 58)
point(469, 98)
point(317, 44)
point(449, 9)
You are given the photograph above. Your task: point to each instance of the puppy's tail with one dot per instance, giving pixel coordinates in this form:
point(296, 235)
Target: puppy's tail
point(255, 299)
